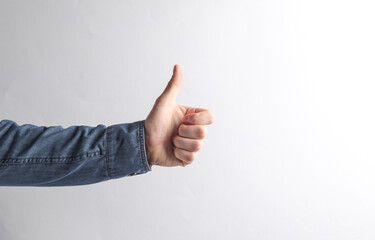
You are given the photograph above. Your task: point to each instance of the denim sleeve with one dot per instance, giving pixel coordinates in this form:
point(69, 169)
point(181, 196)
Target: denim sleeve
point(78, 155)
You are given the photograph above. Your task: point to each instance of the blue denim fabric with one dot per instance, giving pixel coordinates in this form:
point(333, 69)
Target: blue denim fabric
point(78, 155)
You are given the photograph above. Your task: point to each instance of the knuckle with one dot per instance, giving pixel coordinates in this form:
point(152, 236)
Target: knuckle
point(200, 144)
point(201, 132)
point(190, 158)
point(197, 145)
point(193, 156)
point(212, 117)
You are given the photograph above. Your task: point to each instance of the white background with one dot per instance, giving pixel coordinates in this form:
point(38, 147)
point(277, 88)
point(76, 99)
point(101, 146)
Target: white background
point(291, 83)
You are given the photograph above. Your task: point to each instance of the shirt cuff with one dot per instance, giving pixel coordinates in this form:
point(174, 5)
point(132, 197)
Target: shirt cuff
point(126, 150)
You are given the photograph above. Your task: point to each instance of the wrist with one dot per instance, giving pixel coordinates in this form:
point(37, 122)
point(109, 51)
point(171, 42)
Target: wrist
point(148, 149)
point(148, 154)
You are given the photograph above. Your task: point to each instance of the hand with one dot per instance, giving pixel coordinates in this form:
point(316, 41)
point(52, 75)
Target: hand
point(174, 133)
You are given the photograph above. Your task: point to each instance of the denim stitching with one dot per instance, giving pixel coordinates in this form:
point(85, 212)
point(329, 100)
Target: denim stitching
point(141, 144)
point(108, 142)
point(47, 160)
point(84, 155)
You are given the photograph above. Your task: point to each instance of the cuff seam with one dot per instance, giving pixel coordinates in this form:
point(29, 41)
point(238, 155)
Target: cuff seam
point(108, 144)
point(142, 146)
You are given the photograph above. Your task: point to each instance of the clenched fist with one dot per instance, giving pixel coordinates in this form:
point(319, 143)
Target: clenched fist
point(174, 133)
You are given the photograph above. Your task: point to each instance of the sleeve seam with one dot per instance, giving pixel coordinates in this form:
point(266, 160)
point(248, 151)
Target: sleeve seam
point(46, 160)
point(61, 159)
point(141, 145)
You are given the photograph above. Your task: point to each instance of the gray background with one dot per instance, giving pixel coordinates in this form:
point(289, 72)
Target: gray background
point(291, 83)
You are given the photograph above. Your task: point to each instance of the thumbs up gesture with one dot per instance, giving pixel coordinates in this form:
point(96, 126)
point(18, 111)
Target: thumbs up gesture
point(174, 133)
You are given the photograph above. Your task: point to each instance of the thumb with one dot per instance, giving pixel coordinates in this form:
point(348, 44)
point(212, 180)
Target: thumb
point(170, 92)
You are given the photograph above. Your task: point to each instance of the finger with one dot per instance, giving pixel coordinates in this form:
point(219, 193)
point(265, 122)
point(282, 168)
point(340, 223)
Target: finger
point(170, 92)
point(185, 156)
point(195, 110)
point(192, 131)
point(200, 118)
point(188, 144)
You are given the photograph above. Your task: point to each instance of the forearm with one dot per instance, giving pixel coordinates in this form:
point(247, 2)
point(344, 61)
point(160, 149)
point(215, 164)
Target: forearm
point(54, 156)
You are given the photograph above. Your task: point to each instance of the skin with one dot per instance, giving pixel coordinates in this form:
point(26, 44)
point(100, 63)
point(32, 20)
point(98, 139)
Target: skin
point(174, 133)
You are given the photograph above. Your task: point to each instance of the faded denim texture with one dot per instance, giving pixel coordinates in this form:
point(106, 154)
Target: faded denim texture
point(78, 155)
